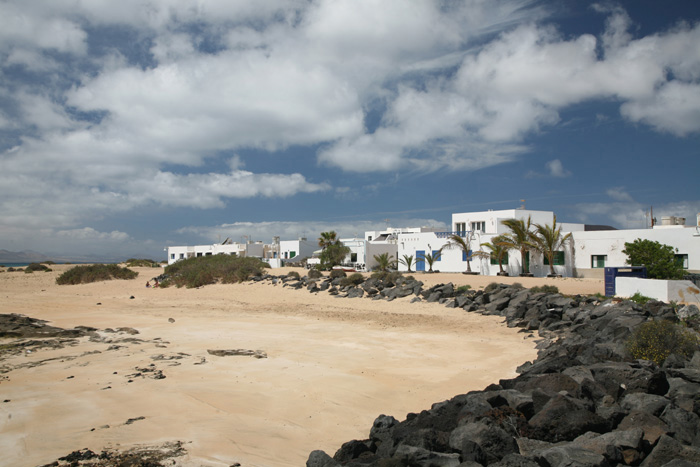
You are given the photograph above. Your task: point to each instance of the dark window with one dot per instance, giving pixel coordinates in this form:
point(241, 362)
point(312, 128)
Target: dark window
point(558, 259)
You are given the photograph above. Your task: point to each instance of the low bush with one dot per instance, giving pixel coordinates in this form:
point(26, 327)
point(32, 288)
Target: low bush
point(463, 289)
point(94, 273)
point(335, 273)
point(639, 298)
point(492, 286)
point(656, 340)
point(294, 274)
point(204, 270)
point(390, 279)
point(36, 267)
point(141, 263)
point(315, 274)
point(550, 289)
point(352, 279)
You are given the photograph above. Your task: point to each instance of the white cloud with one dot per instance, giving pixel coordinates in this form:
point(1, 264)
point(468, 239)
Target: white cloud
point(556, 169)
point(619, 194)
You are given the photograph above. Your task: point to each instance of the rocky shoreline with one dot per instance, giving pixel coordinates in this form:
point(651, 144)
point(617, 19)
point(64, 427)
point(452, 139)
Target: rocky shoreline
point(583, 402)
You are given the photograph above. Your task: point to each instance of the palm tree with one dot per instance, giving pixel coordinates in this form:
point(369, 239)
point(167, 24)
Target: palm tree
point(430, 258)
point(464, 244)
point(519, 238)
point(498, 249)
point(547, 239)
point(407, 261)
point(327, 239)
point(384, 262)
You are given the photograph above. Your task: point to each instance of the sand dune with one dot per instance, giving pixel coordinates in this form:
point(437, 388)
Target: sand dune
point(333, 366)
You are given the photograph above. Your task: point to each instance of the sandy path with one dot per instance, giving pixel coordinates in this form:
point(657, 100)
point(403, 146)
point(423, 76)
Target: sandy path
point(333, 365)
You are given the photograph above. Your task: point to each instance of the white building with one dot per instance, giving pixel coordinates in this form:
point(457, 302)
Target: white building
point(176, 253)
point(586, 254)
point(296, 250)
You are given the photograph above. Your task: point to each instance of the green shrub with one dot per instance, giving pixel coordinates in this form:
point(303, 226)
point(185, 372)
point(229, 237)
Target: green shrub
point(656, 340)
point(204, 270)
point(353, 279)
point(36, 267)
point(141, 263)
point(94, 273)
point(463, 288)
point(549, 289)
point(492, 286)
point(315, 274)
point(639, 298)
point(335, 273)
point(294, 274)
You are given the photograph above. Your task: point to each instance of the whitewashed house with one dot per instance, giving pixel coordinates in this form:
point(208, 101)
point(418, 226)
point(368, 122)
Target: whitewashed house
point(590, 250)
point(176, 253)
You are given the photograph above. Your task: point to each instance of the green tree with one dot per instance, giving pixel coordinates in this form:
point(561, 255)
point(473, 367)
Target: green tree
point(659, 259)
point(407, 261)
point(328, 239)
point(519, 238)
point(497, 247)
point(548, 239)
point(384, 261)
point(430, 258)
point(334, 252)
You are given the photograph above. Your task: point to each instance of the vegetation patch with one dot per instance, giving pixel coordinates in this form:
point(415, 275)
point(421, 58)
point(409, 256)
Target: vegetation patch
point(36, 267)
point(352, 279)
point(94, 273)
point(335, 273)
point(639, 298)
point(656, 340)
point(315, 274)
point(205, 270)
point(294, 274)
point(141, 263)
point(463, 289)
point(549, 289)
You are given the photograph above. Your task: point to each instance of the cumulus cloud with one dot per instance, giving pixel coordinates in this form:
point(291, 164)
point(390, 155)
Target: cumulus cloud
point(554, 168)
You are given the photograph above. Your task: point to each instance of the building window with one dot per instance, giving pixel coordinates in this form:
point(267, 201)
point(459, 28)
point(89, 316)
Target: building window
point(208, 254)
point(437, 255)
point(479, 226)
point(172, 255)
point(182, 256)
point(461, 227)
point(504, 259)
point(558, 259)
point(369, 238)
point(682, 261)
point(598, 261)
point(353, 257)
point(292, 254)
point(198, 255)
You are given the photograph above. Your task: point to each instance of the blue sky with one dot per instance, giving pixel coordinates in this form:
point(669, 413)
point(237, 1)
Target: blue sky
point(129, 126)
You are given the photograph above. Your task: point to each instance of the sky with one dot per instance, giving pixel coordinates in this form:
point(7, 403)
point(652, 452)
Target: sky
point(130, 126)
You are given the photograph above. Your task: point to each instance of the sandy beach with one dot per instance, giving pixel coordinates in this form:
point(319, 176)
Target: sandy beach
point(333, 365)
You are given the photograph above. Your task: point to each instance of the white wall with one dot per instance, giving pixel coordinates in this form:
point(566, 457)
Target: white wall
point(175, 253)
point(296, 250)
point(665, 291)
point(612, 242)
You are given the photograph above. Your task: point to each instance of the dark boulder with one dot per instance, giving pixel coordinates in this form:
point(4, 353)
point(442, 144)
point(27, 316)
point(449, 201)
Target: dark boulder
point(564, 418)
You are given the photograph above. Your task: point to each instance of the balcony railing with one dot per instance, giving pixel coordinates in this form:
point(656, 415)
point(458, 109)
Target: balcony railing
point(461, 233)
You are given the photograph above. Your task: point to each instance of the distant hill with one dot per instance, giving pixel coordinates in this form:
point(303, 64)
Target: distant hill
point(26, 256)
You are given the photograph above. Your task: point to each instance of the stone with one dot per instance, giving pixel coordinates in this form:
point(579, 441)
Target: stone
point(688, 311)
point(355, 292)
point(571, 455)
point(494, 441)
point(652, 427)
point(649, 403)
point(419, 457)
point(351, 450)
point(515, 460)
point(667, 450)
point(563, 419)
point(683, 424)
point(320, 459)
